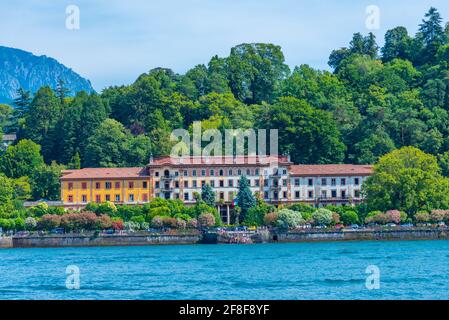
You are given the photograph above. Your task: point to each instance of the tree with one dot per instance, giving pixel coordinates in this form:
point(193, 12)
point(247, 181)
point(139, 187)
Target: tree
point(431, 33)
point(407, 179)
point(206, 220)
point(6, 195)
point(45, 183)
point(307, 134)
point(245, 198)
point(289, 219)
point(255, 70)
point(397, 42)
point(255, 215)
point(21, 160)
point(21, 103)
point(40, 121)
point(349, 217)
point(322, 217)
point(61, 91)
point(208, 195)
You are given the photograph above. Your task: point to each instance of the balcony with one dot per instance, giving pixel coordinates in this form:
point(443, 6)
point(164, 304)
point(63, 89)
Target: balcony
point(169, 177)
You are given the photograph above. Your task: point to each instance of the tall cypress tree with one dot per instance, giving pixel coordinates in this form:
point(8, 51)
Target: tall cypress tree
point(245, 198)
point(208, 195)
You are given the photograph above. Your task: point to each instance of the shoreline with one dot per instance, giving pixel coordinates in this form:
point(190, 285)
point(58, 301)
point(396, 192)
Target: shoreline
point(265, 236)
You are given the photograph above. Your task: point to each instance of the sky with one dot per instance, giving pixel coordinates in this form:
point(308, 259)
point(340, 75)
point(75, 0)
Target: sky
point(119, 40)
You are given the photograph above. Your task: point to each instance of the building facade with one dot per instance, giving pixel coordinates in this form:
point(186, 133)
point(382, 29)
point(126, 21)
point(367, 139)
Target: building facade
point(275, 179)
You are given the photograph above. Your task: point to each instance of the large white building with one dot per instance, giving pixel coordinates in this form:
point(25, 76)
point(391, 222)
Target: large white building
point(275, 179)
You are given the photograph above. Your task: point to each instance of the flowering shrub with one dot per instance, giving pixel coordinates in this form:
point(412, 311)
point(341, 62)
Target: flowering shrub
point(157, 222)
point(422, 216)
point(117, 225)
point(49, 221)
point(192, 223)
point(180, 223)
point(322, 217)
point(206, 220)
point(393, 216)
point(169, 222)
point(289, 219)
point(438, 215)
point(30, 223)
point(270, 219)
point(335, 218)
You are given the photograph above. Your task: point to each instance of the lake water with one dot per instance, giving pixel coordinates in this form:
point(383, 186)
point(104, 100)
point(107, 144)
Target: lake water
point(333, 270)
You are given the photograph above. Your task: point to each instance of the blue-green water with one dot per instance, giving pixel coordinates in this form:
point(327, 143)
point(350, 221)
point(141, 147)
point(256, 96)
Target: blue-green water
point(334, 270)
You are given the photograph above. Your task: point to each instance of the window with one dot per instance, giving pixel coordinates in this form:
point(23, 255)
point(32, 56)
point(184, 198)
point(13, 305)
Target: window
point(310, 182)
point(356, 181)
point(157, 173)
point(212, 172)
point(203, 172)
point(117, 185)
point(176, 184)
point(203, 183)
point(333, 182)
point(176, 195)
point(194, 173)
point(230, 172)
point(97, 198)
point(194, 183)
point(108, 185)
point(230, 182)
point(297, 194)
point(297, 182)
point(145, 197)
point(144, 184)
point(131, 185)
point(186, 196)
point(239, 172)
point(343, 194)
point(157, 184)
point(265, 183)
point(108, 197)
point(284, 182)
point(70, 186)
point(257, 172)
point(117, 198)
point(284, 171)
point(323, 181)
point(186, 184)
point(323, 194)
point(70, 198)
point(221, 183)
point(343, 181)
point(334, 193)
point(186, 173)
point(265, 195)
point(84, 186)
point(131, 198)
point(222, 195)
point(356, 193)
point(248, 172)
point(176, 173)
point(97, 185)
point(257, 183)
point(310, 194)
point(84, 198)
point(284, 194)
point(212, 183)
point(221, 173)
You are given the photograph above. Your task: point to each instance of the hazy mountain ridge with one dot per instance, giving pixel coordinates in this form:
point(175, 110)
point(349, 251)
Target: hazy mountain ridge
point(20, 68)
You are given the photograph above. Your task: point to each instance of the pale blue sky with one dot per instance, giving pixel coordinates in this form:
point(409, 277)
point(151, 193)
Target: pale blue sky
point(119, 40)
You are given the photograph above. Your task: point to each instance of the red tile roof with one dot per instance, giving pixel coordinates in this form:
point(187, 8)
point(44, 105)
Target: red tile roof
point(198, 160)
point(307, 170)
point(104, 173)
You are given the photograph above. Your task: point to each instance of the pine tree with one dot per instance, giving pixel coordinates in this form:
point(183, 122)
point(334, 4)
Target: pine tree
point(208, 195)
point(75, 163)
point(61, 91)
point(21, 103)
point(245, 198)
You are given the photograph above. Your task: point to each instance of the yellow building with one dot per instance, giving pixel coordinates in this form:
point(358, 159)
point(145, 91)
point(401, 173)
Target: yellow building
point(118, 185)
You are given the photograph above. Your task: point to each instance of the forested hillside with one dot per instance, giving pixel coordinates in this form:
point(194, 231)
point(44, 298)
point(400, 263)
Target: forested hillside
point(374, 101)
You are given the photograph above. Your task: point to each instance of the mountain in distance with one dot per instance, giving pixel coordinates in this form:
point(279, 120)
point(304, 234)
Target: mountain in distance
point(20, 68)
